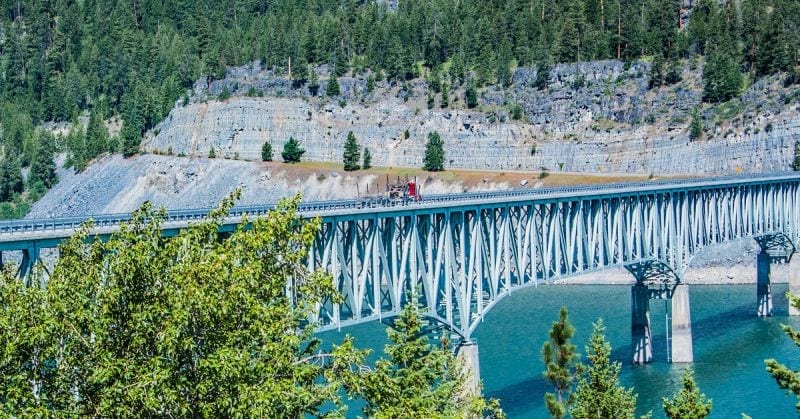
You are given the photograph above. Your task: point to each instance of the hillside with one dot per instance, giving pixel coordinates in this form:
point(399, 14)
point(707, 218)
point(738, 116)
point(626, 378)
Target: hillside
point(593, 117)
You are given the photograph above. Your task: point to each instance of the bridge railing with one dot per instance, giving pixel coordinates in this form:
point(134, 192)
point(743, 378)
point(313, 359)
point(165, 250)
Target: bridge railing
point(185, 215)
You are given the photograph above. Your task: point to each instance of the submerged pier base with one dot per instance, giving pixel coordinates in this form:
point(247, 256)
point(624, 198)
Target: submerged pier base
point(467, 353)
point(763, 285)
point(681, 325)
point(641, 337)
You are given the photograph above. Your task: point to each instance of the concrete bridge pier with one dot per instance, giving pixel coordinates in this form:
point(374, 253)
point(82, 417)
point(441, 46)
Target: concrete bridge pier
point(794, 283)
point(681, 325)
point(641, 337)
point(467, 354)
point(763, 285)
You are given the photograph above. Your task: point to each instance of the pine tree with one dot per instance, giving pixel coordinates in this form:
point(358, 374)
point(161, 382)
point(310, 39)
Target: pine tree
point(417, 379)
point(266, 152)
point(352, 153)
point(96, 137)
point(10, 178)
point(291, 151)
point(560, 359)
point(367, 163)
point(689, 402)
point(313, 82)
point(599, 394)
point(796, 162)
point(434, 153)
point(333, 86)
point(696, 127)
point(471, 95)
point(787, 378)
point(211, 153)
point(445, 96)
point(43, 169)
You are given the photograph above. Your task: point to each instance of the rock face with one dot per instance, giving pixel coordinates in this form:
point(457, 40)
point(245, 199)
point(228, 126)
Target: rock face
point(597, 117)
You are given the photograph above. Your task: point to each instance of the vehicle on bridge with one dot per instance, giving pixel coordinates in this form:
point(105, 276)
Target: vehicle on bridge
point(396, 194)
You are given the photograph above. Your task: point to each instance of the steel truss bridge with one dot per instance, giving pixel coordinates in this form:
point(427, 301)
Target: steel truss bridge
point(466, 252)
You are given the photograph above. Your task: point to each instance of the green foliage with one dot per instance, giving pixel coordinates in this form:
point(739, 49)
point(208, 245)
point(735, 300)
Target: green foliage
point(266, 152)
point(796, 162)
point(689, 402)
point(291, 151)
point(418, 380)
point(10, 178)
point(787, 378)
point(445, 96)
point(333, 87)
point(211, 153)
point(224, 95)
point(542, 75)
point(187, 326)
point(43, 169)
point(352, 153)
point(560, 359)
point(696, 126)
point(96, 137)
point(471, 95)
point(434, 153)
point(313, 83)
point(367, 162)
point(598, 393)
point(516, 112)
point(370, 83)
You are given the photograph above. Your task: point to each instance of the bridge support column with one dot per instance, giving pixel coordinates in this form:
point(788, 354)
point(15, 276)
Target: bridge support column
point(794, 282)
point(641, 338)
point(468, 356)
point(681, 325)
point(763, 285)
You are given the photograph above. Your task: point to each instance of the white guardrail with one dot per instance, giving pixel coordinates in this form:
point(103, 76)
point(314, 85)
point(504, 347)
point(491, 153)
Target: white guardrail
point(109, 220)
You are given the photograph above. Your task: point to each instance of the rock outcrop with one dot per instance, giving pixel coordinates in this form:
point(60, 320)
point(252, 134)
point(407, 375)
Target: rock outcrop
point(597, 117)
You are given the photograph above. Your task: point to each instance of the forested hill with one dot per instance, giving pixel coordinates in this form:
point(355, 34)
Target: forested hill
point(60, 59)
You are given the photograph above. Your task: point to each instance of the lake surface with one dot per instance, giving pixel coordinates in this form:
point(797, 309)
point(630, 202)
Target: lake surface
point(730, 345)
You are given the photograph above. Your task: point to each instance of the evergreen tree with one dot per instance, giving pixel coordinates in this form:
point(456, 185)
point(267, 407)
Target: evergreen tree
point(796, 162)
point(471, 95)
point(313, 83)
point(542, 75)
point(445, 96)
point(96, 137)
point(418, 380)
point(43, 169)
point(266, 152)
point(689, 402)
point(434, 153)
point(721, 77)
point(211, 153)
point(696, 127)
point(560, 359)
point(333, 87)
point(598, 393)
point(10, 178)
point(787, 378)
point(291, 151)
point(352, 153)
point(367, 163)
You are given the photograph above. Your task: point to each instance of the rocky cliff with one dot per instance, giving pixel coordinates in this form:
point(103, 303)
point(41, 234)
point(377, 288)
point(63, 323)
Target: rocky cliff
point(591, 117)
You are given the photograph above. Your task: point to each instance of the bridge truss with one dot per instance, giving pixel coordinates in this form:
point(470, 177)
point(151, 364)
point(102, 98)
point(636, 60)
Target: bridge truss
point(465, 257)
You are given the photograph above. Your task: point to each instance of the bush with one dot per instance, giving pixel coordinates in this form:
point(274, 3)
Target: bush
point(516, 112)
point(225, 94)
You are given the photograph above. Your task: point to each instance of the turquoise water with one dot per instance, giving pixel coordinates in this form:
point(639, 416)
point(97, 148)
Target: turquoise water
point(730, 345)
